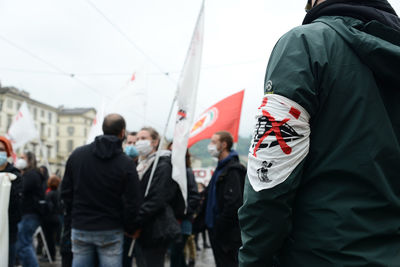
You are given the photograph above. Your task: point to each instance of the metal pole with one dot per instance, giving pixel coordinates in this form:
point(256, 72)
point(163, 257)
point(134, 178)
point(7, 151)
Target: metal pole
point(161, 144)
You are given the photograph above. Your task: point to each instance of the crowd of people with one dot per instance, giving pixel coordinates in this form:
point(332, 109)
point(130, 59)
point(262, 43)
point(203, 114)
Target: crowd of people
point(113, 208)
point(322, 186)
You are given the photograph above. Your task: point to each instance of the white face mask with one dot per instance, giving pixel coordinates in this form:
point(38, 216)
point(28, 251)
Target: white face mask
point(144, 147)
point(21, 164)
point(213, 150)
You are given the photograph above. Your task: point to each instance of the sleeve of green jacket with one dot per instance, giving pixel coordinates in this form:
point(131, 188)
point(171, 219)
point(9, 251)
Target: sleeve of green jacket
point(265, 217)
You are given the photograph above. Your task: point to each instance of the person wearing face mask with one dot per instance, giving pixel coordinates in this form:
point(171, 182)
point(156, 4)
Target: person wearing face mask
point(33, 195)
point(130, 148)
point(224, 196)
point(21, 164)
point(323, 170)
point(14, 207)
point(157, 215)
point(101, 196)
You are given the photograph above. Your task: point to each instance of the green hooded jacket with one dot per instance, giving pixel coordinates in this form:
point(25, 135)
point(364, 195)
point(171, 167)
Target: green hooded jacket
point(340, 204)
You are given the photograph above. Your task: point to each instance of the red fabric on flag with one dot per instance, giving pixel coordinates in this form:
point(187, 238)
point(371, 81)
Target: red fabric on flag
point(223, 116)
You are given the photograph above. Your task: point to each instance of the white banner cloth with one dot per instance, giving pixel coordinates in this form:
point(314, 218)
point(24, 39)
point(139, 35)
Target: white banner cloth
point(186, 97)
point(22, 129)
point(5, 188)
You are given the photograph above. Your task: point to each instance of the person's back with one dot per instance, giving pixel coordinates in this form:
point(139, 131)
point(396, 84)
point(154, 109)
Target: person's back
point(100, 190)
point(340, 201)
point(100, 175)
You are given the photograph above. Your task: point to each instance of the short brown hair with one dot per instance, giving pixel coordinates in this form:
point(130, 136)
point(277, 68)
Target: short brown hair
point(153, 133)
point(225, 136)
point(53, 182)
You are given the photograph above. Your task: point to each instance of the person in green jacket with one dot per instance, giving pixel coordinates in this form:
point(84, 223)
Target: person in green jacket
point(323, 181)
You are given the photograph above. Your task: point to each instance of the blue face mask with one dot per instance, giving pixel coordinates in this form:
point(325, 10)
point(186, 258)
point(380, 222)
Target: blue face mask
point(131, 151)
point(3, 158)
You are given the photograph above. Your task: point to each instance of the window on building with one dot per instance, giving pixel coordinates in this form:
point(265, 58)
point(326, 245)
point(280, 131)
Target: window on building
point(9, 121)
point(1, 104)
point(49, 132)
point(70, 130)
point(10, 103)
point(18, 105)
point(42, 113)
point(70, 145)
point(42, 129)
point(58, 131)
point(50, 116)
point(34, 148)
point(34, 113)
point(71, 119)
point(49, 152)
point(57, 146)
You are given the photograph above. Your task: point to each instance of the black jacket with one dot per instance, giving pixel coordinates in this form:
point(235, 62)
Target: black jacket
point(100, 187)
point(162, 192)
point(53, 202)
point(32, 192)
point(229, 187)
point(14, 207)
point(193, 198)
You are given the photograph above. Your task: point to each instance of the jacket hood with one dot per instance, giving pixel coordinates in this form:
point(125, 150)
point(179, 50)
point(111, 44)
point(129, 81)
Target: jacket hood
point(232, 155)
point(372, 32)
point(107, 146)
point(364, 10)
point(165, 153)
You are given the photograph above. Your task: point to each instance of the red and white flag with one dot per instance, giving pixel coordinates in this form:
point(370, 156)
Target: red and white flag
point(186, 97)
point(223, 116)
point(22, 130)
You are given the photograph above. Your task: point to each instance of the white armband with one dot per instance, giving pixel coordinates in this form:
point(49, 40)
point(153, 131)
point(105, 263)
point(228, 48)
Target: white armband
point(281, 141)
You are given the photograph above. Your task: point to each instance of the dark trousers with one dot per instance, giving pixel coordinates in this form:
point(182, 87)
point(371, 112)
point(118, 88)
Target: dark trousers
point(225, 254)
point(12, 251)
point(127, 261)
point(150, 256)
point(204, 235)
point(50, 230)
point(177, 255)
point(66, 259)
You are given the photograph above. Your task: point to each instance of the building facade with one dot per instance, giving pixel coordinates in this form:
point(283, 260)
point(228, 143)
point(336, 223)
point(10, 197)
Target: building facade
point(73, 128)
point(56, 139)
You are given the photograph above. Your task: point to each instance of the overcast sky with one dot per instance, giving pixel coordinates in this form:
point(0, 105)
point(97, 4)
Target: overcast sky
point(72, 37)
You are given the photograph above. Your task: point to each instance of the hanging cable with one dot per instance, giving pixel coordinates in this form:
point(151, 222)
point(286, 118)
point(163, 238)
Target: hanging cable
point(140, 50)
point(59, 70)
point(51, 65)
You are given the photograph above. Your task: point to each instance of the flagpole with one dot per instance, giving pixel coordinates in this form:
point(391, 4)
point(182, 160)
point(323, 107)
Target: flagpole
point(161, 144)
point(170, 112)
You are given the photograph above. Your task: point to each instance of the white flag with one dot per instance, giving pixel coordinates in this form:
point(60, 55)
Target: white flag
point(97, 125)
point(186, 97)
point(22, 129)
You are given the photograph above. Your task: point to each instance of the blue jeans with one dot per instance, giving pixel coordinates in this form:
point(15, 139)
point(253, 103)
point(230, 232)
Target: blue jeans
point(25, 251)
point(107, 244)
